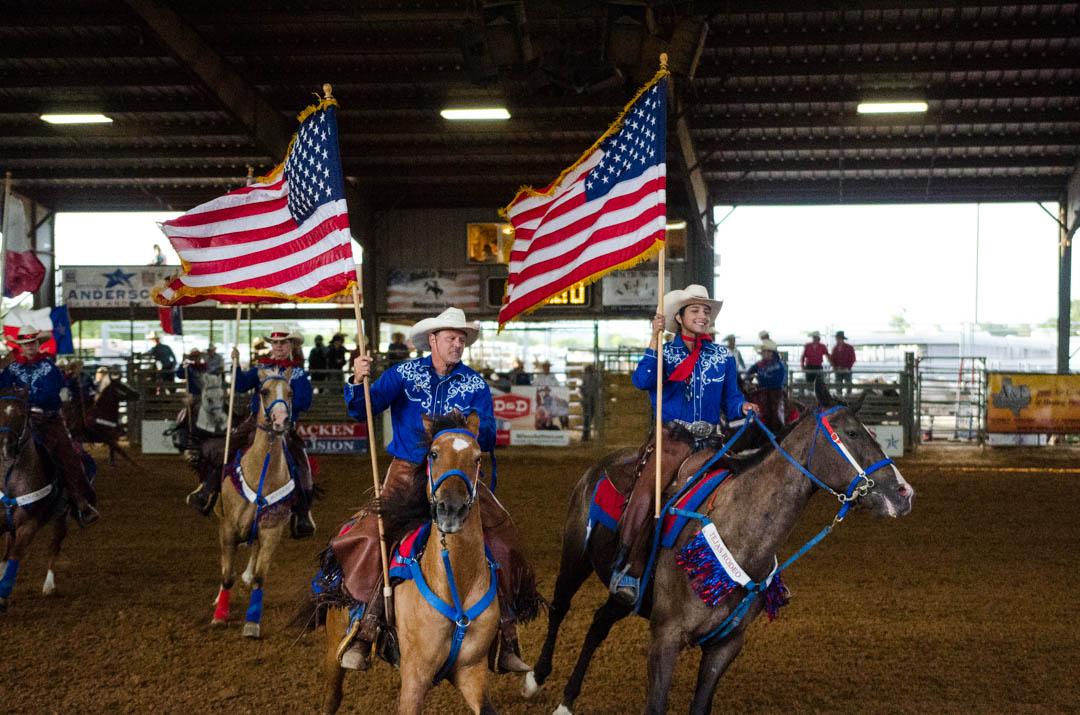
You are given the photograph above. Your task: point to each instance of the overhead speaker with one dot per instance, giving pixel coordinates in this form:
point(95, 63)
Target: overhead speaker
point(505, 33)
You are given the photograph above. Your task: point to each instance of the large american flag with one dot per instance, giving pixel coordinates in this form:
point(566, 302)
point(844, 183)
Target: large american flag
point(283, 239)
point(606, 212)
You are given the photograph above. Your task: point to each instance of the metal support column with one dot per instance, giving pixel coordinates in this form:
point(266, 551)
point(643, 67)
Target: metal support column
point(1064, 293)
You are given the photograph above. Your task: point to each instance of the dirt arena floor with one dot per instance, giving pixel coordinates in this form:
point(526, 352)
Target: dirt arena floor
point(966, 605)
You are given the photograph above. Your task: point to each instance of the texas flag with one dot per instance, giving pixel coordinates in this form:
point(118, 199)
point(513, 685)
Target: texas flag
point(54, 321)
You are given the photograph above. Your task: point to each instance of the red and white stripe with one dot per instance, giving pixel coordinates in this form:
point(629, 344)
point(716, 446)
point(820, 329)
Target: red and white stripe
point(561, 238)
point(246, 247)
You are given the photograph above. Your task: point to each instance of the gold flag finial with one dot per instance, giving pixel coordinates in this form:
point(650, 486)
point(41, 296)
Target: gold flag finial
point(328, 91)
point(663, 60)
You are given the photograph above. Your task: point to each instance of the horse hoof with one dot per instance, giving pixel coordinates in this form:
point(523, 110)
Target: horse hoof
point(49, 587)
point(562, 710)
point(218, 623)
point(530, 687)
point(251, 630)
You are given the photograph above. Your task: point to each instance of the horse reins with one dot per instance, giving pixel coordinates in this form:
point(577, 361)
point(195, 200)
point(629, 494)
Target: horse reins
point(259, 500)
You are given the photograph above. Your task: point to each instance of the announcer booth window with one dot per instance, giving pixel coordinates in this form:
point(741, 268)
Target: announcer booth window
point(488, 243)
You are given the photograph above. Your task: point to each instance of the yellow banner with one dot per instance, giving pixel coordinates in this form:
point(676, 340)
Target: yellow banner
point(1027, 403)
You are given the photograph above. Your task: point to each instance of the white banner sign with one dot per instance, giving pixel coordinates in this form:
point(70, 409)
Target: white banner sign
point(111, 286)
point(432, 291)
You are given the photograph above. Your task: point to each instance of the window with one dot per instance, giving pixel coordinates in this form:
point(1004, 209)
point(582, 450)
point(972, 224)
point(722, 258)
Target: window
point(489, 242)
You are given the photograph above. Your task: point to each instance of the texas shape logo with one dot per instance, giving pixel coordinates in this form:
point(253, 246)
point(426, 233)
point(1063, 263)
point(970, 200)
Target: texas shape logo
point(1012, 397)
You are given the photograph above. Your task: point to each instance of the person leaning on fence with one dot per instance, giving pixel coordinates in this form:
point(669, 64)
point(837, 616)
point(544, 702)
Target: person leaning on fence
point(163, 355)
point(701, 386)
point(590, 397)
point(771, 374)
point(317, 360)
point(427, 387)
point(842, 359)
point(740, 364)
point(813, 354)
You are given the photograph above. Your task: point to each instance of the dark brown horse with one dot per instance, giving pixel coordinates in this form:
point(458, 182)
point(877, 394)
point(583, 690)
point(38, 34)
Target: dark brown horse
point(98, 421)
point(30, 497)
point(754, 512)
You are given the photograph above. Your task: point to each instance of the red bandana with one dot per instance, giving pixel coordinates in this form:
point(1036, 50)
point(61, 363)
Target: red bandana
point(271, 362)
point(686, 368)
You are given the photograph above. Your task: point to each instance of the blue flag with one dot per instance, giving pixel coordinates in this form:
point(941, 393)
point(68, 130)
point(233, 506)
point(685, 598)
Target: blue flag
point(61, 330)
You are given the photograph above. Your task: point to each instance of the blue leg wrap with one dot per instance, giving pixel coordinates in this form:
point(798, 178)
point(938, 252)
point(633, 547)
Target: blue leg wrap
point(7, 583)
point(254, 611)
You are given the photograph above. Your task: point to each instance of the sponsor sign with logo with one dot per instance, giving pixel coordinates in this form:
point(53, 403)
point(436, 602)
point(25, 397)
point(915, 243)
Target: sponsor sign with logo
point(334, 437)
point(536, 415)
point(890, 438)
point(432, 291)
point(111, 286)
point(1028, 403)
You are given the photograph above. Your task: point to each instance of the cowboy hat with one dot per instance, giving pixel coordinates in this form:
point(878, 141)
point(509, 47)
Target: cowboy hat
point(449, 319)
point(815, 333)
point(676, 300)
point(763, 335)
point(284, 332)
point(767, 345)
point(729, 336)
point(840, 334)
point(30, 335)
point(152, 335)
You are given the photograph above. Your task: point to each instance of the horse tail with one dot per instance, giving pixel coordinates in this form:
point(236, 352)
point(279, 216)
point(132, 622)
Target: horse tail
point(324, 593)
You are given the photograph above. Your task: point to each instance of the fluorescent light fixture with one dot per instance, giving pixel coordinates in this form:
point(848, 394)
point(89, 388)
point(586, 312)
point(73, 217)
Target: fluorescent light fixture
point(76, 119)
point(475, 114)
point(891, 107)
point(677, 225)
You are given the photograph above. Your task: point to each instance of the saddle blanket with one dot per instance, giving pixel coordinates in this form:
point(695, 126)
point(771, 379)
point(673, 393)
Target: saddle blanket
point(608, 503)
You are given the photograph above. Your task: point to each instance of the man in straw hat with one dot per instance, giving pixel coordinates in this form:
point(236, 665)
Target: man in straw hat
point(431, 386)
point(701, 387)
point(283, 343)
point(813, 353)
point(35, 372)
point(771, 374)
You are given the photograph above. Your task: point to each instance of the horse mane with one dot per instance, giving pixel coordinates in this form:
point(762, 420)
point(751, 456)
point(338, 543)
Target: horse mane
point(752, 457)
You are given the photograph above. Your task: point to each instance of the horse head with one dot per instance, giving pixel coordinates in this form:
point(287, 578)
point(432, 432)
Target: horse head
point(849, 460)
point(275, 400)
point(14, 421)
point(453, 468)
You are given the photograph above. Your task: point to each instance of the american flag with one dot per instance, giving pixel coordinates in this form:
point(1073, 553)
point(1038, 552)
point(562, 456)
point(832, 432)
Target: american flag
point(283, 239)
point(606, 212)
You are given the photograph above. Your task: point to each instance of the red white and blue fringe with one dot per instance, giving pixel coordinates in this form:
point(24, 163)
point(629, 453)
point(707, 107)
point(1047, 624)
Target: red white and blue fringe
point(712, 583)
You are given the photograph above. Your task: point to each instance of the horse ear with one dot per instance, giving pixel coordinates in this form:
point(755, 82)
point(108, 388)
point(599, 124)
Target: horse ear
point(472, 421)
point(428, 422)
point(821, 391)
point(855, 404)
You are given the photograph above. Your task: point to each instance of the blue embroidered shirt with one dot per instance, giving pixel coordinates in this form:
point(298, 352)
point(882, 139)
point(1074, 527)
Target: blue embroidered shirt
point(412, 389)
point(771, 374)
point(300, 384)
point(711, 390)
point(42, 379)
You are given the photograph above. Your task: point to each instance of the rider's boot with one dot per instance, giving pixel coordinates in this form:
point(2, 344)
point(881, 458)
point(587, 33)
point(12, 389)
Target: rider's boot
point(202, 499)
point(624, 585)
point(301, 525)
point(509, 659)
point(354, 650)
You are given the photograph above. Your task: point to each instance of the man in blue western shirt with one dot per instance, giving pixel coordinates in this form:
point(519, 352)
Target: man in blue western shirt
point(431, 386)
point(701, 385)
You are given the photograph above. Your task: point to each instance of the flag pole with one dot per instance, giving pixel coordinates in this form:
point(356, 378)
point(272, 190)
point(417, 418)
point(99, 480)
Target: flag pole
point(361, 344)
point(660, 360)
point(232, 386)
point(3, 213)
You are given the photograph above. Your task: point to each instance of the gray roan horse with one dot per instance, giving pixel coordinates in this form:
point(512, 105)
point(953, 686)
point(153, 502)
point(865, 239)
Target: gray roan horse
point(754, 512)
point(30, 497)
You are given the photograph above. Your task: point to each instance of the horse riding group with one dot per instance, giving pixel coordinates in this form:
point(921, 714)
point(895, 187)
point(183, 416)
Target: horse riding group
point(432, 576)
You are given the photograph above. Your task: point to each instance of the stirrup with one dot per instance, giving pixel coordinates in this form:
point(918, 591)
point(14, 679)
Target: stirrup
point(347, 644)
point(624, 587)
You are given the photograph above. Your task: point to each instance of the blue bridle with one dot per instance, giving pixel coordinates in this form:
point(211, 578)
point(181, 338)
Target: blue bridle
point(270, 407)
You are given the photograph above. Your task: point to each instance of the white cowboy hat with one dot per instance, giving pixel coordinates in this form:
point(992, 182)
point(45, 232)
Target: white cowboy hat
point(815, 333)
point(767, 345)
point(676, 300)
point(763, 335)
point(30, 335)
point(449, 319)
point(284, 332)
point(152, 335)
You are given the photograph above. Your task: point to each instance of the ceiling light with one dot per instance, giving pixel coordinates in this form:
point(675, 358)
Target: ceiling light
point(677, 225)
point(476, 113)
point(891, 107)
point(76, 119)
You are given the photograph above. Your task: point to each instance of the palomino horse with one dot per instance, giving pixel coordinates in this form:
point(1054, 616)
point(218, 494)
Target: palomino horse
point(29, 496)
point(754, 512)
point(447, 613)
point(99, 421)
point(255, 499)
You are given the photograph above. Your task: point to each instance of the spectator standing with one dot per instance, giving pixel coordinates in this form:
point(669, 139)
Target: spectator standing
point(517, 374)
point(215, 362)
point(842, 359)
point(813, 353)
point(159, 257)
point(544, 377)
point(163, 356)
point(771, 379)
point(398, 350)
point(317, 360)
point(336, 357)
point(590, 398)
point(740, 364)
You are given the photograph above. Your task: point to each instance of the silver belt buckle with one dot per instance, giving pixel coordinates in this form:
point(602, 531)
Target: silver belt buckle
point(701, 429)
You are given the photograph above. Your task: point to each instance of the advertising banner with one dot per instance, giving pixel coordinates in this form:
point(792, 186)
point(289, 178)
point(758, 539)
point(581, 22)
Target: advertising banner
point(111, 286)
point(1028, 403)
point(432, 291)
point(534, 415)
point(334, 437)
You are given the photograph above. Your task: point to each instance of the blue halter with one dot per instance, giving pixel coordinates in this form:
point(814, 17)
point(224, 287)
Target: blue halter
point(270, 407)
point(454, 612)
